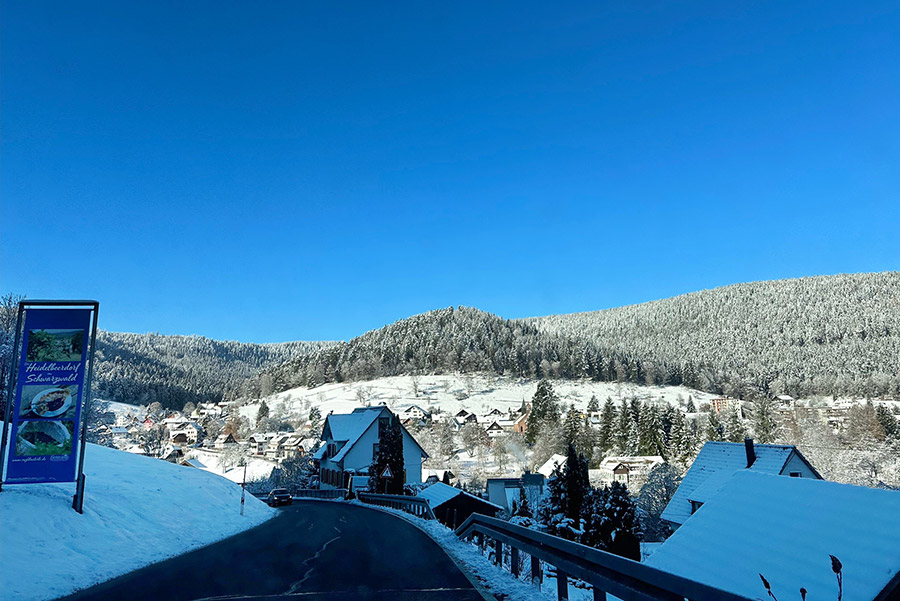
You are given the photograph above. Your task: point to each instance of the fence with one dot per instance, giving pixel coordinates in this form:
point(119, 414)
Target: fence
point(319, 493)
point(607, 573)
point(413, 505)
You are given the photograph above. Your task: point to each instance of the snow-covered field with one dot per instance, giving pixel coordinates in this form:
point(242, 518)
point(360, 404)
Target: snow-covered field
point(137, 511)
point(210, 461)
point(450, 393)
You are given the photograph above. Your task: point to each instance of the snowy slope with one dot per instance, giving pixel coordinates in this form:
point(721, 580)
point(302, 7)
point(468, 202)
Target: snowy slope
point(451, 393)
point(137, 511)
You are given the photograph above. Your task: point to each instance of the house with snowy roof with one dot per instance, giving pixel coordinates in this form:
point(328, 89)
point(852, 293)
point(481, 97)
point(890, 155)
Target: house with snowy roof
point(631, 471)
point(351, 445)
point(551, 464)
point(719, 461)
point(786, 529)
point(451, 506)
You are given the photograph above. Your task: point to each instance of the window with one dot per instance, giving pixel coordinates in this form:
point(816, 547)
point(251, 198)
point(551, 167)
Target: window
point(695, 505)
point(332, 449)
point(796, 475)
point(375, 451)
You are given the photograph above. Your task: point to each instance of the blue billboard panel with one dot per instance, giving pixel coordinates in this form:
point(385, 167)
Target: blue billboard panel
point(46, 410)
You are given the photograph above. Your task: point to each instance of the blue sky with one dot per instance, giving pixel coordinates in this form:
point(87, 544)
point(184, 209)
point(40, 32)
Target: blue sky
point(280, 171)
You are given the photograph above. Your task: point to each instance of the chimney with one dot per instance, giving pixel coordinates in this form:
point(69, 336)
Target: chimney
point(751, 454)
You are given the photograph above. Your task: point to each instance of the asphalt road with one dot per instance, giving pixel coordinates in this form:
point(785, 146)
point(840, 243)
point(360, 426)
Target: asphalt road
point(312, 551)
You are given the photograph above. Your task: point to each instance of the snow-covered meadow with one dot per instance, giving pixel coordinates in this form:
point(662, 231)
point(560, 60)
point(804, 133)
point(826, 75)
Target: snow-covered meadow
point(137, 511)
point(478, 393)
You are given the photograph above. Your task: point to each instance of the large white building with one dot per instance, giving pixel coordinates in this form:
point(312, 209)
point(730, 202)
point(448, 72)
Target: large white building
point(350, 445)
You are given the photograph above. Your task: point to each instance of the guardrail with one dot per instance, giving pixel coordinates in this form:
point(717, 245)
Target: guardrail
point(319, 493)
point(607, 573)
point(412, 505)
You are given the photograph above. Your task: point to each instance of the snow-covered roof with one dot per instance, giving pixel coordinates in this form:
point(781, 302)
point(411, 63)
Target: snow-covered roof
point(785, 529)
point(714, 465)
point(550, 465)
point(439, 493)
point(639, 462)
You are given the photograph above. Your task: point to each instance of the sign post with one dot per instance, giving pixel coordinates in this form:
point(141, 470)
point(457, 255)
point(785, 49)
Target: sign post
point(45, 426)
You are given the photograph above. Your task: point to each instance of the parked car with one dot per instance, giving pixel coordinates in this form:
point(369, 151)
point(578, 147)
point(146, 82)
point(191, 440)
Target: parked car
point(279, 496)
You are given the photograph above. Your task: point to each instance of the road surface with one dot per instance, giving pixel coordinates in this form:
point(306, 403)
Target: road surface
point(312, 551)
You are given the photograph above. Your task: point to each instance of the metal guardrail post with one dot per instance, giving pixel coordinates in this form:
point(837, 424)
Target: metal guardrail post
point(514, 560)
point(498, 553)
point(562, 585)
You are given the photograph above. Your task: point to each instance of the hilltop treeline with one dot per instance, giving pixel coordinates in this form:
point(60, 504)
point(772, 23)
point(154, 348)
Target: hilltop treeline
point(831, 335)
point(143, 368)
point(819, 335)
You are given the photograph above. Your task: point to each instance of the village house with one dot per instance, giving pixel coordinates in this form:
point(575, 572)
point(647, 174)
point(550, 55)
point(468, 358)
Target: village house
point(630, 471)
point(786, 529)
point(719, 461)
point(413, 412)
point(451, 506)
point(351, 445)
point(224, 441)
point(724, 404)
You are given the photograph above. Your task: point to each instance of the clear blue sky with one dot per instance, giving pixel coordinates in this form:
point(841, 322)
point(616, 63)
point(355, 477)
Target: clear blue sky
point(279, 171)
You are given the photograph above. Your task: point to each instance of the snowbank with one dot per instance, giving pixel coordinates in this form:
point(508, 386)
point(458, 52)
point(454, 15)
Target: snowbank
point(137, 511)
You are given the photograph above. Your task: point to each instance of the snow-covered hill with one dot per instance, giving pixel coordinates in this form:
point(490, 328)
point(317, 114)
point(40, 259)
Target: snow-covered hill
point(477, 392)
point(137, 511)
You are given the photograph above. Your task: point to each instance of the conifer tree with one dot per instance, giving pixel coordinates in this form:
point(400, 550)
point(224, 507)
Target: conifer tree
point(390, 456)
point(262, 413)
point(764, 426)
point(734, 427)
point(572, 427)
point(593, 404)
point(610, 522)
point(523, 510)
point(606, 437)
point(691, 408)
point(650, 432)
point(623, 427)
point(888, 422)
point(715, 431)
point(544, 407)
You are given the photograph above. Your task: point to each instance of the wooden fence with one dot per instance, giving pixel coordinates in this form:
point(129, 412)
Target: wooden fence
point(607, 573)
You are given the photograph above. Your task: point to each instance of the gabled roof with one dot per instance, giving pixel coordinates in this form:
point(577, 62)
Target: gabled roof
point(715, 464)
point(439, 493)
point(785, 529)
point(349, 428)
point(550, 465)
point(637, 461)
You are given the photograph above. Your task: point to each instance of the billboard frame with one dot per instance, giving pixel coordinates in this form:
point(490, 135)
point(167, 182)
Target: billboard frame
point(78, 499)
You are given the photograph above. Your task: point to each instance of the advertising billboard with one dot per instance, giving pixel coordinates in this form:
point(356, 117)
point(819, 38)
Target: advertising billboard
point(48, 396)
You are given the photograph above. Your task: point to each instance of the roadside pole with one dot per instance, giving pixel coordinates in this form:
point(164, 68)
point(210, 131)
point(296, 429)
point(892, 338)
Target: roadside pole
point(243, 487)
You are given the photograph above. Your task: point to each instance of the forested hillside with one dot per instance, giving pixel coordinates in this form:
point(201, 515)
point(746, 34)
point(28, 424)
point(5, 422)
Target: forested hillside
point(142, 368)
point(817, 335)
point(832, 335)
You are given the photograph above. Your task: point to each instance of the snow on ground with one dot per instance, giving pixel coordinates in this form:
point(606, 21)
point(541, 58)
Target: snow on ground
point(137, 511)
point(211, 461)
point(450, 393)
point(498, 581)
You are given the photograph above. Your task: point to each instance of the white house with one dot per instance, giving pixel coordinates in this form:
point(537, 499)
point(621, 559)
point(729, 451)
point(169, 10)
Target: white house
point(785, 529)
point(551, 464)
point(413, 412)
point(351, 445)
point(719, 461)
point(630, 471)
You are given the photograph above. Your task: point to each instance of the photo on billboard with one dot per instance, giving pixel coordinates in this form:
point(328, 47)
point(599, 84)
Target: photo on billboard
point(42, 401)
point(55, 345)
point(45, 437)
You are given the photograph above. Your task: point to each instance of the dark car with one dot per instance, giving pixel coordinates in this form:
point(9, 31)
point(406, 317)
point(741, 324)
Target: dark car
point(279, 496)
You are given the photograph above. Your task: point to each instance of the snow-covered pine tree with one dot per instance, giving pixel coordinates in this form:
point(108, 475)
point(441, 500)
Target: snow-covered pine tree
point(624, 424)
point(262, 413)
point(544, 408)
point(734, 426)
point(572, 427)
point(764, 425)
point(593, 405)
point(715, 431)
point(610, 522)
point(651, 436)
point(606, 436)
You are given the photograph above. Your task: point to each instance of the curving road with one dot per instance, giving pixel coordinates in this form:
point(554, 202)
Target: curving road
point(313, 550)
